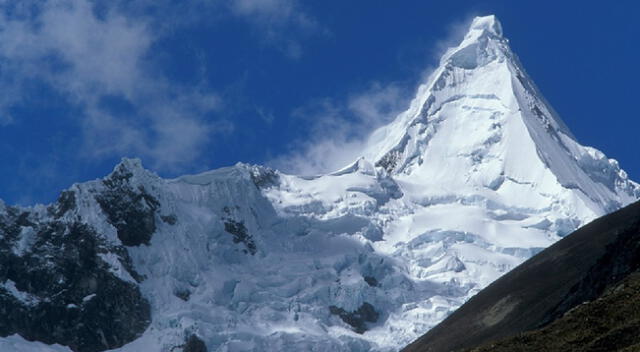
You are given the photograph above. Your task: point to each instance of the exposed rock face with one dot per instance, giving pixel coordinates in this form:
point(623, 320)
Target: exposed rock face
point(240, 235)
point(371, 281)
point(55, 286)
point(65, 203)
point(359, 318)
point(194, 344)
point(239, 231)
point(264, 177)
point(130, 209)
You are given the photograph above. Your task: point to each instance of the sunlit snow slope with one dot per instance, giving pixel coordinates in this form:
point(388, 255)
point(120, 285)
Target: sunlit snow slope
point(475, 177)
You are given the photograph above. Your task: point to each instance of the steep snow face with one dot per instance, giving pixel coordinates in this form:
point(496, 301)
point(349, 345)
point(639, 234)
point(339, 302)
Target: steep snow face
point(479, 122)
point(475, 177)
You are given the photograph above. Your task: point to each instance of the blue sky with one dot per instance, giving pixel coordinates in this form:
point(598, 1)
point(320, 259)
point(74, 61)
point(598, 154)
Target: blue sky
point(194, 85)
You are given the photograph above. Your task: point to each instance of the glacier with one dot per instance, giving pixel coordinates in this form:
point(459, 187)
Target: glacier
point(476, 176)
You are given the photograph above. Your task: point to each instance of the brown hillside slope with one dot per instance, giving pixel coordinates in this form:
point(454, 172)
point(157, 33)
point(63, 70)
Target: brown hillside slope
point(610, 323)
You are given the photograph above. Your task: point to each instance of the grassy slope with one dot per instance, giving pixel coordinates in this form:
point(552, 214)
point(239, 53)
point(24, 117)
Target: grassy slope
point(610, 323)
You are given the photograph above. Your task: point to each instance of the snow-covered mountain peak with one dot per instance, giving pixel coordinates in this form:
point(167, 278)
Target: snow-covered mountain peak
point(482, 44)
point(479, 124)
point(488, 23)
point(477, 175)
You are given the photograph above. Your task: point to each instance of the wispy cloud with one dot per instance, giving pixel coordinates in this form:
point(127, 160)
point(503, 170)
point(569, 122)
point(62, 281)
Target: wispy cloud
point(87, 55)
point(340, 128)
point(281, 23)
point(455, 32)
point(89, 51)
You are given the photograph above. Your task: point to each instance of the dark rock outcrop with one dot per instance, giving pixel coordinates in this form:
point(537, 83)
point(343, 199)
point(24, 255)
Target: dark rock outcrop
point(389, 161)
point(238, 230)
point(183, 294)
point(264, 177)
point(66, 202)
point(169, 219)
point(240, 235)
point(56, 288)
point(194, 344)
point(359, 318)
point(371, 281)
point(131, 210)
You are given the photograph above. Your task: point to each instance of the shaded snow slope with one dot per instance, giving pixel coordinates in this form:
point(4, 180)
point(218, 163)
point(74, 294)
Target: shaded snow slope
point(475, 177)
point(15, 343)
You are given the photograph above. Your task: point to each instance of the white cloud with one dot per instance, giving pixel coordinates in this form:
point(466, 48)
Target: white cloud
point(280, 23)
point(340, 129)
point(86, 56)
point(271, 12)
point(100, 54)
point(455, 32)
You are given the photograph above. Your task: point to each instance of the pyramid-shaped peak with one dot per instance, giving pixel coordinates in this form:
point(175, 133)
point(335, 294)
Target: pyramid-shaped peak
point(488, 24)
point(479, 122)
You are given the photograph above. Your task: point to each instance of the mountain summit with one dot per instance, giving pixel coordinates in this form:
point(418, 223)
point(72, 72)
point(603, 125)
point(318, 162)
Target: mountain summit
point(475, 177)
point(480, 122)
